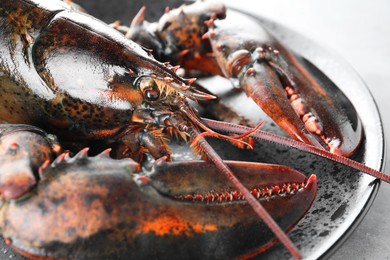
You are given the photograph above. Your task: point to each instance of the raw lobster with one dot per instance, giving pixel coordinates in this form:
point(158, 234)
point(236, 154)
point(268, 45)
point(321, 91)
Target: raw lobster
point(114, 93)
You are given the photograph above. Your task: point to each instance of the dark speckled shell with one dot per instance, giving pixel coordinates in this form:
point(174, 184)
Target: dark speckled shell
point(67, 72)
point(92, 208)
point(23, 149)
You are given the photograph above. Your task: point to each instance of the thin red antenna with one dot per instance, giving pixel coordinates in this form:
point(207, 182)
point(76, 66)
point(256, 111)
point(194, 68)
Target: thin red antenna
point(270, 137)
point(257, 207)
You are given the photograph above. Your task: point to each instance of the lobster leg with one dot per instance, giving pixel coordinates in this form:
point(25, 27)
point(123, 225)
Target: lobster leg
point(139, 215)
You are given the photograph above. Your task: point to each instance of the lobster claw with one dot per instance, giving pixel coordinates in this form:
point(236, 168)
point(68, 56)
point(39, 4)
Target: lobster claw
point(214, 212)
point(136, 215)
point(274, 78)
point(262, 83)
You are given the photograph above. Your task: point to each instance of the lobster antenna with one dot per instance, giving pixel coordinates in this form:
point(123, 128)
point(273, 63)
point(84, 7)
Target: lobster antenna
point(210, 132)
point(270, 137)
point(257, 207)
point(223, 168)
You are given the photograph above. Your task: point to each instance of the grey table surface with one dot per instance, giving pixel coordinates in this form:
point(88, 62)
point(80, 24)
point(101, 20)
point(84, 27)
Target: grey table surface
point(359, 32)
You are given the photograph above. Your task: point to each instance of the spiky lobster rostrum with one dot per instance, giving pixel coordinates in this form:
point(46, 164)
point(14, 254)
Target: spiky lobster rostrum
point(83, 81)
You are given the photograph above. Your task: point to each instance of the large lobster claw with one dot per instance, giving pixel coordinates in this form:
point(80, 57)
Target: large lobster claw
point(270, 74)
point(186, 207)
point(274, 78)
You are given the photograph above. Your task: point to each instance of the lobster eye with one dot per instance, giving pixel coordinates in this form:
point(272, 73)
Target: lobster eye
point(149, 88)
